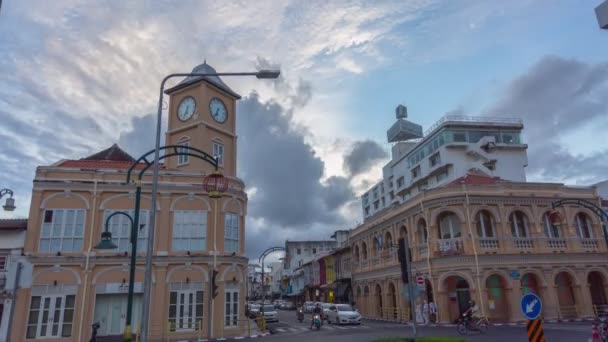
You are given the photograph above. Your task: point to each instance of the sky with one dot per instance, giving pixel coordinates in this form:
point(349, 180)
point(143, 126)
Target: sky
point(78, 76)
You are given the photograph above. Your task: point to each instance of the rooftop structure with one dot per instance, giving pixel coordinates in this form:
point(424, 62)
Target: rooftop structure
point(453, 147)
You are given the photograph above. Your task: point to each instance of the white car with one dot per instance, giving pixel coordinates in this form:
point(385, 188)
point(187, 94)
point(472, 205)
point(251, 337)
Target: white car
point(270, 313)
point(343, 314)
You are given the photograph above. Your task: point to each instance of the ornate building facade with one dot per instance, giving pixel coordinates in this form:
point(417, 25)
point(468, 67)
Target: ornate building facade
point(482, 239)
point(74, 284)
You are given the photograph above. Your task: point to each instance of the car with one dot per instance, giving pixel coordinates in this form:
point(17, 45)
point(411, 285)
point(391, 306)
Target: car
point(289, 306)
point(325, 310)
point(254, 310)
point(343, 314)
point(309, 307)
point(270, 314)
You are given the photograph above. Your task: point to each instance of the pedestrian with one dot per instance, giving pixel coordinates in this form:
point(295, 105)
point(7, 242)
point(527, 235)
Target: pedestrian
point(433, 311)
point(418, 313)
point(425, 312)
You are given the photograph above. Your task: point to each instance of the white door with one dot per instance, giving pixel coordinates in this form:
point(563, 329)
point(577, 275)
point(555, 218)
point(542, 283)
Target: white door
point(111, 313)
point(186, 306)
point(51, 316)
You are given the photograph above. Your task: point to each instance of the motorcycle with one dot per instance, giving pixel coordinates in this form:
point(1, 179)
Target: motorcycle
point(317, 321)
point(300, 315)
point(465, 324)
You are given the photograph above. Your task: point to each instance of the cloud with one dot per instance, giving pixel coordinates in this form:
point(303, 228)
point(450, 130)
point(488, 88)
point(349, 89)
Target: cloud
point(142, 135)
point(560, 98)
point(285, 171)
point(363, 156)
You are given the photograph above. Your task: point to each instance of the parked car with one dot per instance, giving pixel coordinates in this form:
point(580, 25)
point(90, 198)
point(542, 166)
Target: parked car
point(254, 310)
point(343, 314)
point(270, 313)
point(289, 306)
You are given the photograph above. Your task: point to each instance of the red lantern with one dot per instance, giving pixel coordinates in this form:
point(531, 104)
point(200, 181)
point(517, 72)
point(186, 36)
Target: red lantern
point(555, 218)
point(215, 184)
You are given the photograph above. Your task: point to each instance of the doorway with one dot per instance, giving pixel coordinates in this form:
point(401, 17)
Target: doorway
point(111, 313)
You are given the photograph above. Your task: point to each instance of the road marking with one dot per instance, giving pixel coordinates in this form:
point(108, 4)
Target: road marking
point(280, 329)
point(293, 329)
point(365, 327)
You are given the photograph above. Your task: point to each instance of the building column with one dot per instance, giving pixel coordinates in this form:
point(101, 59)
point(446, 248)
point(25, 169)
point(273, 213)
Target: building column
point(442, 302)
point(514, 299)
point(551, 304)
point(584, 305)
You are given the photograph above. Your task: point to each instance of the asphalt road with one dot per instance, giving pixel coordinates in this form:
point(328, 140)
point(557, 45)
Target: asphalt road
point(288, 328)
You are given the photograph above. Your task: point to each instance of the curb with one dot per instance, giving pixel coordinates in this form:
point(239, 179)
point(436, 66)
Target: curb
point(512, 324)
point(228, 338)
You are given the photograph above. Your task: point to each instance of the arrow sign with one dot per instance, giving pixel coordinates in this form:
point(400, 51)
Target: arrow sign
point(531, 306)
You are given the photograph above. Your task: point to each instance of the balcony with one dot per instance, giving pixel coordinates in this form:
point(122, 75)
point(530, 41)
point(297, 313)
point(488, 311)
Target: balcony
point(447, 247)
point(524, 244)
point(555, 243)
point(589, 245)
point(490, 244)
point(422, 251)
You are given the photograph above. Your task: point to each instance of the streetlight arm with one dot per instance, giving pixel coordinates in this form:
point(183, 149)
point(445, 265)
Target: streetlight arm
point(583, 203)
point(6, 192)
point(115, 214)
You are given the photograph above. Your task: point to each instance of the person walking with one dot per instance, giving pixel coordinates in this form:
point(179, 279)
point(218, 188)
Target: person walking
point(433, 311)
point(425, 312)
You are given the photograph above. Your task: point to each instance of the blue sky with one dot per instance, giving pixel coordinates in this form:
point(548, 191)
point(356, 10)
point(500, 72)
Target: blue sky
point(81, 75)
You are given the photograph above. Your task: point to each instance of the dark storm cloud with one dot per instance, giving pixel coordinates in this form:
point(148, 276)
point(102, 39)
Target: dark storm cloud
point(142, 135)
point(557, 97)
point(363, 156)
point(276, 161)
point(337, 191)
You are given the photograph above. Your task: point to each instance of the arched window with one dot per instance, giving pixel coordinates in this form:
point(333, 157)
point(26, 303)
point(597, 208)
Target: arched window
point(377, 245)
point(364, 250)
point(485, 224)
point(584, 228)
point(388, 240)
point(356, 253)
point(519, 224)
point(449, 226)
point(551, 230)
point(423, 234)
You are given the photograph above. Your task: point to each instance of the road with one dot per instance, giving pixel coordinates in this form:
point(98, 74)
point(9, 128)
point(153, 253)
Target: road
point(289, 328)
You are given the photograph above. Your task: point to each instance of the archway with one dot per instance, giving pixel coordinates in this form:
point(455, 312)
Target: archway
point(565, 294)
point(392, 304)
point(429, 291)
point(529, 284)
point(364, 250)
point(379, 306)
point(458, 296)
point(497, 299)
point(597, 288)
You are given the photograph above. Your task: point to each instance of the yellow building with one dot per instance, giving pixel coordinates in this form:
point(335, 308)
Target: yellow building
point(487, 240)
point(74, 285)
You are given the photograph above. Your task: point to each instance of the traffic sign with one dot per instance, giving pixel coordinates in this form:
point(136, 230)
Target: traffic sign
point(515, 275)
point(420, 281)
point(535, 331)
point(531, 306)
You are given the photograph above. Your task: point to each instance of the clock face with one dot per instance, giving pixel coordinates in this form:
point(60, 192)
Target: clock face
point(186, 108)
point(217, 108)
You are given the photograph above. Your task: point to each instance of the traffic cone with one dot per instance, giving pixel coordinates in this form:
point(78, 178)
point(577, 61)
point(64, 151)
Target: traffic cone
point(595, 335)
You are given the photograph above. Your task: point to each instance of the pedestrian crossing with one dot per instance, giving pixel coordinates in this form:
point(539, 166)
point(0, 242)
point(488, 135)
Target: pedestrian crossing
point(333, 327)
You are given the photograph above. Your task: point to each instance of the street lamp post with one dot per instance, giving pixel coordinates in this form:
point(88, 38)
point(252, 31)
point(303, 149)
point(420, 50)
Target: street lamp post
point(215, 184)
point(262, 74)
point(10, 202)
point(106, 243)
point(556, 218)
point(262, 257)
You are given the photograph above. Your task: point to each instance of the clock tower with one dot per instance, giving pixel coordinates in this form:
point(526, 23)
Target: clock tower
point(202, 114)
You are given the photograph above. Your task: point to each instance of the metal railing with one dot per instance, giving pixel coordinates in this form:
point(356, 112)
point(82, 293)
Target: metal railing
point(600, 310)
point(489, 243)
point(461, 118)
point(567, 311)
point(450, 247)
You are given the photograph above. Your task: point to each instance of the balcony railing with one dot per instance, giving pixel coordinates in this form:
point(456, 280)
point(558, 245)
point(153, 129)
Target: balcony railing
point(589, 244)
point(523, 243)
point(422, 250)
point(450, 247)
point(556, 243)
point(489, 243)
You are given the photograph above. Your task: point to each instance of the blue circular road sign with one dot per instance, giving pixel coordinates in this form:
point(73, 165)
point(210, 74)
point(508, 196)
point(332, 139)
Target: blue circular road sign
point(531, 306)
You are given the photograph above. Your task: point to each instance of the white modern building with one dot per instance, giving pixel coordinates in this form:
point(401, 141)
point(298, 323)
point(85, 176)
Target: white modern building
point(14, 271)
point(452, 148)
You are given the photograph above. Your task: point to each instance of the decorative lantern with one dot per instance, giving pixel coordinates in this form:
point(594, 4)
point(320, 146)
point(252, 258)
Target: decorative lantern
point(215, 184)
point(555, 218)
point(10, 204)
point(106, 241)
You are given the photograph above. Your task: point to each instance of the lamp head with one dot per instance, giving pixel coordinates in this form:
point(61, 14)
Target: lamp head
point(268, 74)
point(106, 242)
point(9, 204)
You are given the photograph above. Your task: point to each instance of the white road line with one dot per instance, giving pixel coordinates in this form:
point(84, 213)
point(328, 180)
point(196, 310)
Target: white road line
point(281, 330)
point(364, 327)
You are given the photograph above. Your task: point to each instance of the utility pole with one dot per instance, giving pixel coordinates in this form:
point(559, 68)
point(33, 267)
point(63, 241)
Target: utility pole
point(405, 260)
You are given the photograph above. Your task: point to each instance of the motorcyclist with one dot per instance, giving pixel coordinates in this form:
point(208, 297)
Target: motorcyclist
point(473, 311)
point(316, 311)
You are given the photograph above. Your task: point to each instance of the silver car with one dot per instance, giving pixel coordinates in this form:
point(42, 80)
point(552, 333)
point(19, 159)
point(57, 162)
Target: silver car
point(343, 314)
point(269, 312)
